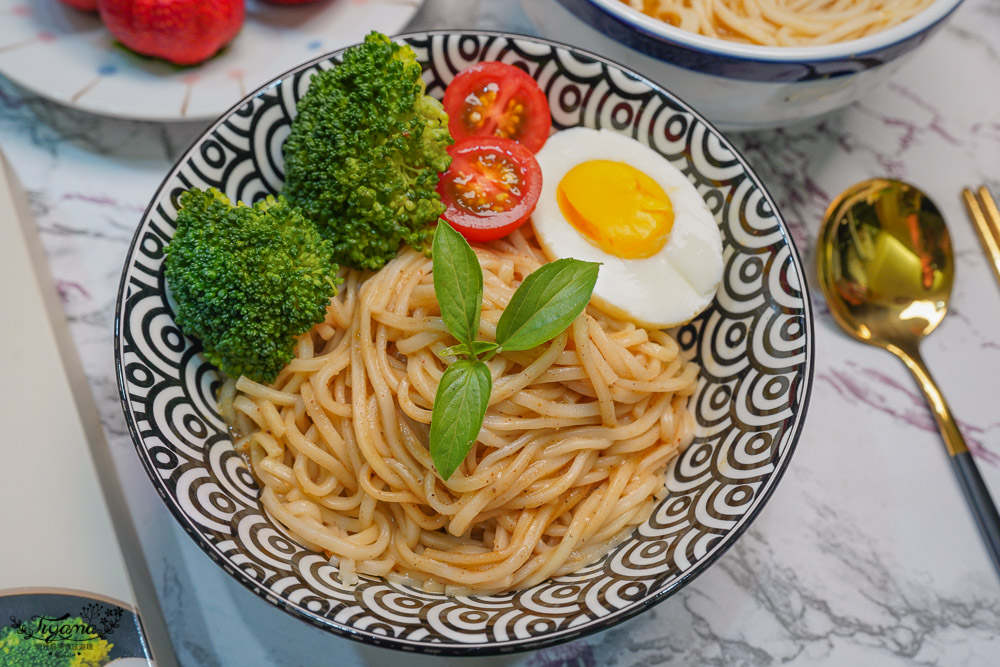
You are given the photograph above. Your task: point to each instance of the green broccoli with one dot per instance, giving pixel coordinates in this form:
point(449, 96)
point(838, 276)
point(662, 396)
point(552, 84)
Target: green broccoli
point(75, 651)
point(248, 280)
point(364, 152)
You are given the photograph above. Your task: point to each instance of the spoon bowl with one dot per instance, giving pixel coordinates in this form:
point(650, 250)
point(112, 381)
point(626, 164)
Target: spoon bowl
point(886, 268)
point(885, 262)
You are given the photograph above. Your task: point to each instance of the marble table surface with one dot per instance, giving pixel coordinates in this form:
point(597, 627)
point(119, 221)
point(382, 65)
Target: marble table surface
point(865, 555)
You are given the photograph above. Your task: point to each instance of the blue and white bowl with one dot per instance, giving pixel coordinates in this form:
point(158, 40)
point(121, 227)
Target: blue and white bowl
point(738, 86)
point(755, 345)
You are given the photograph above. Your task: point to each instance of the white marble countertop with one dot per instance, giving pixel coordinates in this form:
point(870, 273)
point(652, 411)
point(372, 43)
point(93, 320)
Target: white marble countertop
point(865, 555)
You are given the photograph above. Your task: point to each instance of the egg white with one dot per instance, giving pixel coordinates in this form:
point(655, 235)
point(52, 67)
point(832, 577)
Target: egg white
point(664, 290)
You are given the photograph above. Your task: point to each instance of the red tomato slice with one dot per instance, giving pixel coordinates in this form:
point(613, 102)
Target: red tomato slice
point(499, 100)
point(490, 188)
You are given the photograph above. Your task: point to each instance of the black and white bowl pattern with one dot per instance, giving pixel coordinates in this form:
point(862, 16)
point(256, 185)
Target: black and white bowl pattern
point(755, 345)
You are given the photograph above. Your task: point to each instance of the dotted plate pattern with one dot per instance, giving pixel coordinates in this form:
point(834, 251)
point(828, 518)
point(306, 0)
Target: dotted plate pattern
point(755, 345)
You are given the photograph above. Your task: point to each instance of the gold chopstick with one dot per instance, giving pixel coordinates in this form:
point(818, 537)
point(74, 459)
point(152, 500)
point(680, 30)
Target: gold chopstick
point(984, 213)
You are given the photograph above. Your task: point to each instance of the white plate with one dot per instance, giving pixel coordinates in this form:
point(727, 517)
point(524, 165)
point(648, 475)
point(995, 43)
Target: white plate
point(68, 56)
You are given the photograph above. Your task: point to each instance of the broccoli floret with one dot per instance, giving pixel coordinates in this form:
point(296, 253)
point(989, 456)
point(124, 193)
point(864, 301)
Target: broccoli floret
point(364, 152)
point(248, 280)
point(76, 651)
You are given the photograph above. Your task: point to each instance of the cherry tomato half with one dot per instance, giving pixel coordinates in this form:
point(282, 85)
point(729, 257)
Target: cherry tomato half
point(490, 188)
point(499, 100)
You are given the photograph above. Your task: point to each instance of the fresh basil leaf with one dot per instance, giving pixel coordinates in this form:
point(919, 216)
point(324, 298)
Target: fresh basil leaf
point(478, 347)
point(481, 346)
point(458, 283)
point(546, 303)
point(459, 407)
point(456, 350)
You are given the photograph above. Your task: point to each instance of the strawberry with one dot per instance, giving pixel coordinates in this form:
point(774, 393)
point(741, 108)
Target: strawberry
point(85, 5)
point(184, 32)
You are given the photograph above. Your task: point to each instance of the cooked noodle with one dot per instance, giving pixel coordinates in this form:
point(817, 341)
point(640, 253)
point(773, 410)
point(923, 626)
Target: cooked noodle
point(782, 22)
point(570, 459)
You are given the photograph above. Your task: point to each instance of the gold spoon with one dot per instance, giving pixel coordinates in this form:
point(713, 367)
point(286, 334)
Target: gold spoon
point(886, 269)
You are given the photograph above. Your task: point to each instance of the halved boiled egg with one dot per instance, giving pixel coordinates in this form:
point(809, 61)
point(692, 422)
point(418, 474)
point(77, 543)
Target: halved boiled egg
point(607, 198)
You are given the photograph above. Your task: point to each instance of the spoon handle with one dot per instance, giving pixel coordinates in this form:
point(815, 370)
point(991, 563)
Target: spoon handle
point(978, 497)
point(977, 494)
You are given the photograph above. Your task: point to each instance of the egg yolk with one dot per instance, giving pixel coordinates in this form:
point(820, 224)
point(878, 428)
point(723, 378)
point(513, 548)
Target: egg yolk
point(616, 207)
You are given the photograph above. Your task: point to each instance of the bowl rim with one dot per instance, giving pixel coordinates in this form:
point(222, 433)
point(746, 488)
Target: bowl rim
point(852, 49)
point(459, 649)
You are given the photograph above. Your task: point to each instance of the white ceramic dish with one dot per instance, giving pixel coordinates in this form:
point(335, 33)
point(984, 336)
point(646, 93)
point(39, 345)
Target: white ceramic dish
point(738, 86)
point(68, 56)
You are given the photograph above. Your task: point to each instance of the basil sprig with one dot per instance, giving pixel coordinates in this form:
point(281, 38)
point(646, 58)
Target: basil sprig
point(546, 303)
point(458, 284)
point(543, 305)
point(459, 408)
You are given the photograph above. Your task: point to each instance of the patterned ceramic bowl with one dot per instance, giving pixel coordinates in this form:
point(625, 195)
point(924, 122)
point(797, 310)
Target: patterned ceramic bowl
point(755, 345)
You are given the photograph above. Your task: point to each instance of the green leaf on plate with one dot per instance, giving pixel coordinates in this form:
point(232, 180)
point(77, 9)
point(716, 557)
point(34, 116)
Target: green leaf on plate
point(481, 346)
point(478, 347)
point(546, 303)
point(458, 283)
point(460, 350)
point(459, 408)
